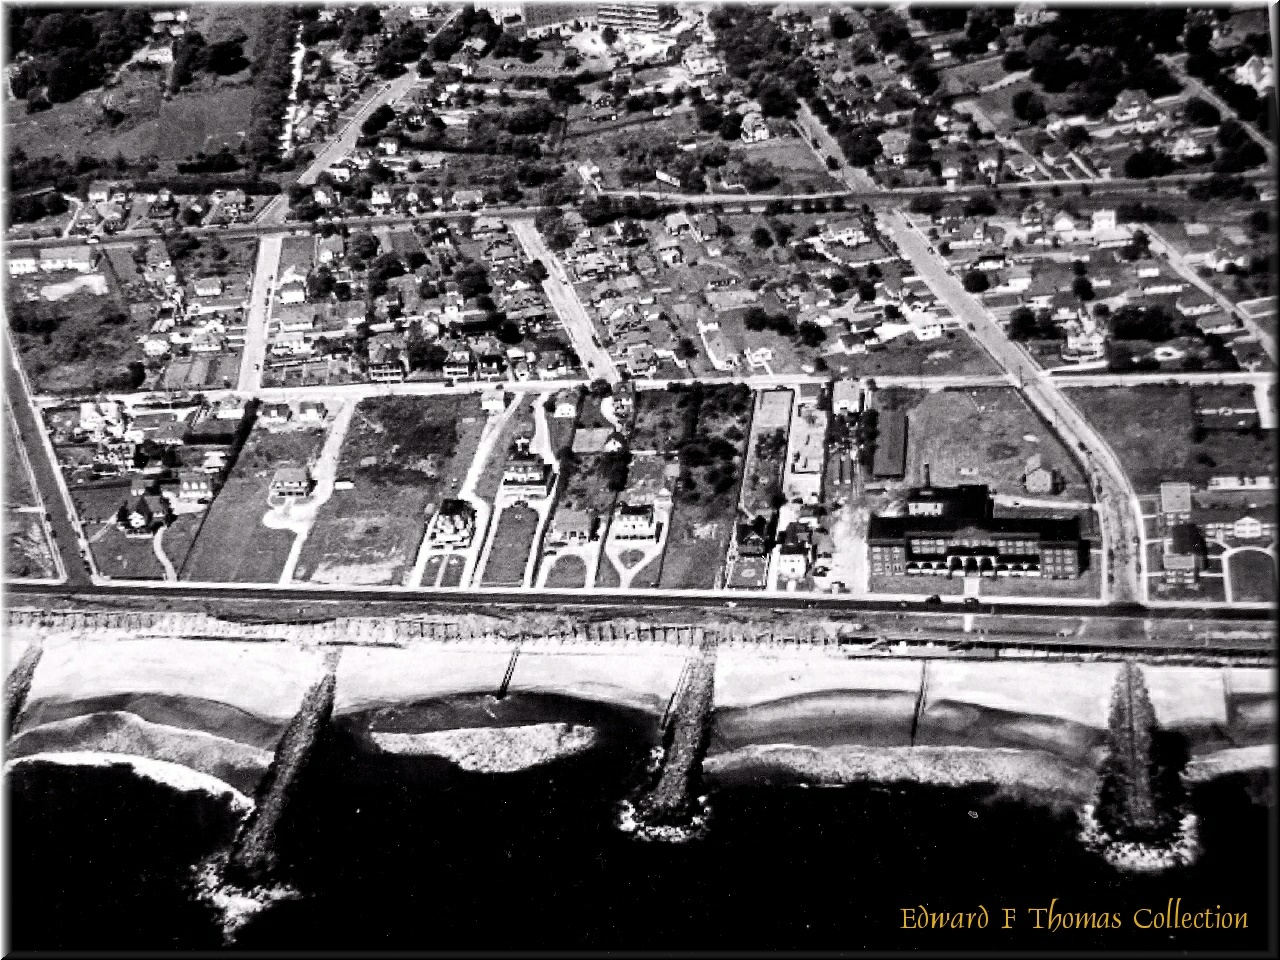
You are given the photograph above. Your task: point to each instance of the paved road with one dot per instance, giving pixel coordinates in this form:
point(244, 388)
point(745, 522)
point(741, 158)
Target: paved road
point(1119, 511)
point(48, 481)
point(278, 598)
point(259, 321)
point(564, 299)
point(880, 199)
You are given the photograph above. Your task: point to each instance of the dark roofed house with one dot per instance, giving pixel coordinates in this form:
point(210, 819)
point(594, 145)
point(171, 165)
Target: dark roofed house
point(890, 460)
point(1181, 560)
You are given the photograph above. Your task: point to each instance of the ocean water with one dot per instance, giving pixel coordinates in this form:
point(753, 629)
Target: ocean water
point(413, 854)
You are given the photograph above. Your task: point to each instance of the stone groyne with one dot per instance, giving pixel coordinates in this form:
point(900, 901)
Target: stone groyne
point(17, 685)
point(252, 861)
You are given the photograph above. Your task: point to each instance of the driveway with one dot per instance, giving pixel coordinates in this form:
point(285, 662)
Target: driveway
point(259, 323)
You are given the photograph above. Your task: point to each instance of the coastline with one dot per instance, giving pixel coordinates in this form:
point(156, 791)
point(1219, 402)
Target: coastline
point(172, 775)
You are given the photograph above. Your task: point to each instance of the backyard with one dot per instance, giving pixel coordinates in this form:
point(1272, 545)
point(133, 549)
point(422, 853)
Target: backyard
point(403, 455)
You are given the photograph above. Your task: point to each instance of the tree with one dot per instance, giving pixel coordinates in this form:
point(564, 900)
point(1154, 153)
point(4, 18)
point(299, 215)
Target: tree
point(377, 121)
point(1022, 324)
point(1027, 106)
point(1147, 162)
point(1082, 288)
point(975, 281)
point(761, 237)
point(840, 28)
point(1201, 113)
point(812, 335)
point(731, 126)
point(609, 36)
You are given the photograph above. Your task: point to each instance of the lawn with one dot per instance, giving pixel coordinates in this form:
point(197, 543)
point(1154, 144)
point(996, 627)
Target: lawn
point(27, 550)
point(233, 546)
point(979, 436)
point(923, 586)
point(180, 536)
point(1253, 576)
point(453, 568)
point(512, 541)
point(712, 442)
point(1151, 429)
point(123, 557)
point(568, 571)
point(404, 455)
point(81, 344)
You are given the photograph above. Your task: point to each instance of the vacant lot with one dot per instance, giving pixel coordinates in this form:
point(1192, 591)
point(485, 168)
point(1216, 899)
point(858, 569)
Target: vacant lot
point(17, 481)
point(404, 455)
point(512, 541)
point(979, 436)
point(233, 546)
point(712, 445)
point(81, 344)
point(1253, 576)
point(1152, 431)
point(27, 550)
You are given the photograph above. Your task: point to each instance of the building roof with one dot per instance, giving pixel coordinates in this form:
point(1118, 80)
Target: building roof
point(1175, 498)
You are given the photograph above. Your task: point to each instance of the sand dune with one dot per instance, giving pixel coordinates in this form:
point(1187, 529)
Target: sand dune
point(172, 775)
point(238, 764)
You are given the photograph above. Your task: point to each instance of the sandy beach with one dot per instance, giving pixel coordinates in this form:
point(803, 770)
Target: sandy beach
point(493, 749)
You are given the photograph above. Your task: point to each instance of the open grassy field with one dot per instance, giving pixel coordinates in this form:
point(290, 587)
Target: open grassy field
point(1151, 430)
point(27, 551)
point(713, 439)
point(512, 541)
point(180, 537)
point(83, 343)
point(980, 436)
point(1253, 576)
point(233, 546)
point(766, 451)
point(405, 455)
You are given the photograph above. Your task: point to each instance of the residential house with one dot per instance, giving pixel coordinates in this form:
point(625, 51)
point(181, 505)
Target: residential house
point(1175, 502)
point(291, 482)
point(634, 522)
point(1182, 555)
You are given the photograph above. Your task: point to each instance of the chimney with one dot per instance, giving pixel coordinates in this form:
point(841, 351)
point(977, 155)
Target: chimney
point(926, 477)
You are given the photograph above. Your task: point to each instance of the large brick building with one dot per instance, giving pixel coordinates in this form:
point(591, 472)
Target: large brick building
point(950, 531)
